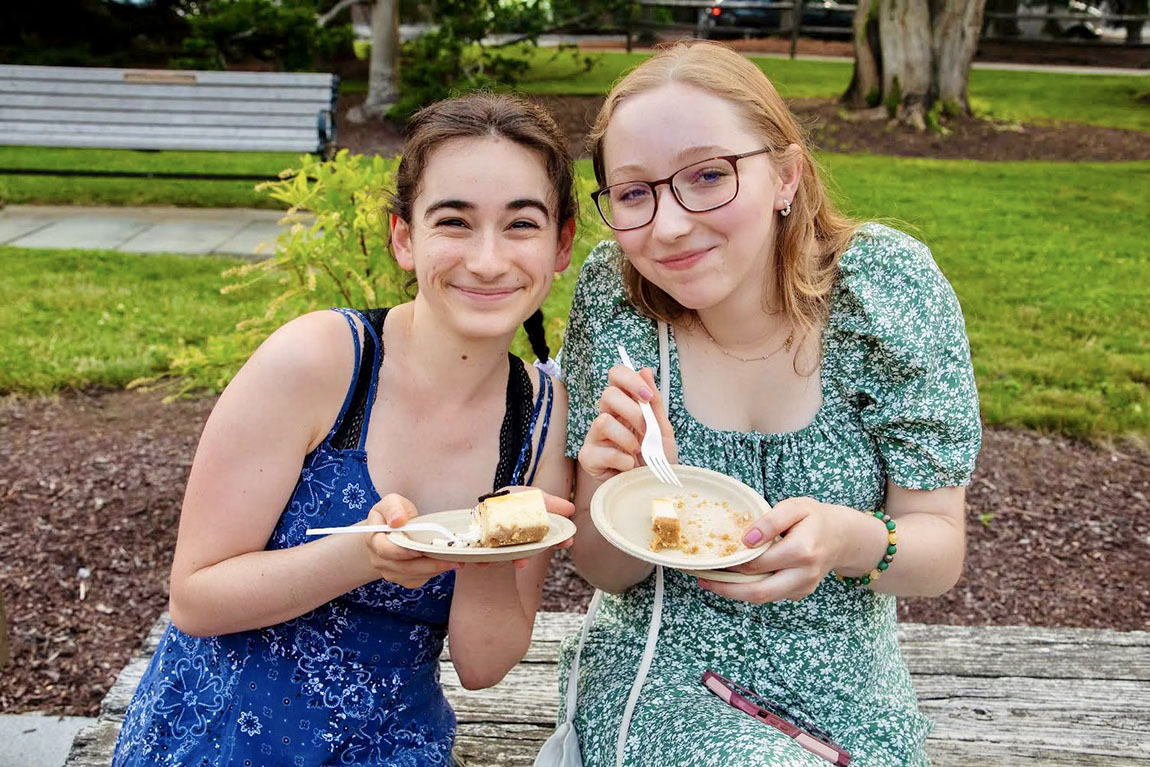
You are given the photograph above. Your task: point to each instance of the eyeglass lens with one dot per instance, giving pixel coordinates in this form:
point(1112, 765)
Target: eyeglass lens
point(703, 186)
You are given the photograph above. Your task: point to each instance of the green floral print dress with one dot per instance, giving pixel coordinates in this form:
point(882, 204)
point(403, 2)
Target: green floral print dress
point(899, 403)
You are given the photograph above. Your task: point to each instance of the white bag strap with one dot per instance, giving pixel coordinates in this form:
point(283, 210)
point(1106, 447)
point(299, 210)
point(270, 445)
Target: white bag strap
point(573, 676)
point(644, 666)
point(656, 606)
point(657, 602)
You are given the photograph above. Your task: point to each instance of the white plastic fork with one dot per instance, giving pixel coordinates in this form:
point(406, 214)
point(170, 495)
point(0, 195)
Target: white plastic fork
point(415, 527)
point(651, 448)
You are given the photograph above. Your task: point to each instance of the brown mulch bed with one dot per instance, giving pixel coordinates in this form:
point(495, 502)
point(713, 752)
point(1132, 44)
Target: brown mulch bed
point(832, 128)
point(1058, 532)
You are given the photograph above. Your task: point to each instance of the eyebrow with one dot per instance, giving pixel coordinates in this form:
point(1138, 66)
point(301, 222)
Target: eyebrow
point(520, 204)
point(680, 156)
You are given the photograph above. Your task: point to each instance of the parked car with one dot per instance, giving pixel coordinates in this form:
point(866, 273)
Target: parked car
point(1069, 19)
point(724, 19)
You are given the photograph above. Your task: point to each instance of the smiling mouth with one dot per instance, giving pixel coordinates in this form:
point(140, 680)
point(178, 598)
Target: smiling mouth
point(684, 260)
point(486, 294)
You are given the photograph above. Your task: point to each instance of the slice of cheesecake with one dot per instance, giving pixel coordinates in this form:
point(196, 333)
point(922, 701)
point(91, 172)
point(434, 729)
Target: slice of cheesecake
point(664, 524)
point(505, 520)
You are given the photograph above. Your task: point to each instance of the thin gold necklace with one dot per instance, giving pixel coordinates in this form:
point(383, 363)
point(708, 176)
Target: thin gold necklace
point(790, 340)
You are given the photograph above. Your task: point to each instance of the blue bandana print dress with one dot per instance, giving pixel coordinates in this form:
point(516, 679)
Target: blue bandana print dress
point(899, 403)
point(354, 682)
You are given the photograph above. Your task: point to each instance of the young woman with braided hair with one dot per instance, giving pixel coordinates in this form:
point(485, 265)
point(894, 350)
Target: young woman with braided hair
point(286, 649)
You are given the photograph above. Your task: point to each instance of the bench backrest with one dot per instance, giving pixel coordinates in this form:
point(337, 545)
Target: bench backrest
point(166, 109)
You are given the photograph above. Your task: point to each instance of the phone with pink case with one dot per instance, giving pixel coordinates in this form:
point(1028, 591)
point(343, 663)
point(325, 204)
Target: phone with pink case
point(806, 735)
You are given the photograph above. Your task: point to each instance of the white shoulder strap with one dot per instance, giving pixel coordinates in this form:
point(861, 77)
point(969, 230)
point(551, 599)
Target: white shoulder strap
point(656, 606)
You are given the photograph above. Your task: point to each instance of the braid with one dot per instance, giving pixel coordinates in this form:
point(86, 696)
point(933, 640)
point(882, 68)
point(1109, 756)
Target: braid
point(537, 336)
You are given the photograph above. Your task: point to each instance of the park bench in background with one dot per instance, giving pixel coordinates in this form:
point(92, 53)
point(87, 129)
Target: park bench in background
point(165, 109)
point(1000, 696)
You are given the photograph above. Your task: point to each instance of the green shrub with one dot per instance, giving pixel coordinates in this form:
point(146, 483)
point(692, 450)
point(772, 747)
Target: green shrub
point(337, 258)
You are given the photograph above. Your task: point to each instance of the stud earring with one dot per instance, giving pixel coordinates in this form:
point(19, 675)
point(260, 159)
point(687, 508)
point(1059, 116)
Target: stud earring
point(787, 210)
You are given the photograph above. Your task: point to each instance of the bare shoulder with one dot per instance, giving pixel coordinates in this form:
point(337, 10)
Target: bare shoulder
point(303, 368)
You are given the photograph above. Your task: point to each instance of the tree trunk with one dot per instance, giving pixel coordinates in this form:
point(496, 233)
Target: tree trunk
point(904, 34)
point(955, 32)
point(917, 52)
point(383, 75)
point(866, 83)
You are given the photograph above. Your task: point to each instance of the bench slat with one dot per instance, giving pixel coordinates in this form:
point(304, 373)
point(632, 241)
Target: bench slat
point(988, 710)
point(167, 92)
point(985, 651)
point(158, 143)
point(299, 120)
point(253, 106)
point(104, 74)
point(145, 132)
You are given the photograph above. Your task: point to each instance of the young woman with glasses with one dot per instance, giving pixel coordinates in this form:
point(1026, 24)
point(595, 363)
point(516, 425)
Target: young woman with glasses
point(821, 361)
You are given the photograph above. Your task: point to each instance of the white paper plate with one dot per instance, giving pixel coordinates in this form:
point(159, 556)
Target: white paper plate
point(621, 511)
point(459, 521)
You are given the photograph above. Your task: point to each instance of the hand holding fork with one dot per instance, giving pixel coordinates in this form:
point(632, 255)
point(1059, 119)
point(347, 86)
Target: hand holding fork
point(630, 410)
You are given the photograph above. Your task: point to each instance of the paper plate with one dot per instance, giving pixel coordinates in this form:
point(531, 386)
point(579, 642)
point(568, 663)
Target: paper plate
point(621, 511)
point(459, 521)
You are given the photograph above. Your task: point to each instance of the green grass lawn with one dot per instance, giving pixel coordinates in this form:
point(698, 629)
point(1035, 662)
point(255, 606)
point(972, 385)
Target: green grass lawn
point(82, 318)
point(63, 190)
point(1048, 261)
point(1035, 97)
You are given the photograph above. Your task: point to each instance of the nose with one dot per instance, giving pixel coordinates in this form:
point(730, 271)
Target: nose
point(671, 220)
point(486, 261)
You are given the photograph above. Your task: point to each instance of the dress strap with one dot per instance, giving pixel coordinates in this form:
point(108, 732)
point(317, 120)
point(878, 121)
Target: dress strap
point(349, 315)
point(351, 430)
point(514, 432)
point(542, 407)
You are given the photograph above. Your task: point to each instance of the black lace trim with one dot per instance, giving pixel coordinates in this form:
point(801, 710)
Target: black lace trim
point(347, 436)
point(516, 420)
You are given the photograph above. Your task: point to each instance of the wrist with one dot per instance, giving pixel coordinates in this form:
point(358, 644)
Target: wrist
point(864, 544)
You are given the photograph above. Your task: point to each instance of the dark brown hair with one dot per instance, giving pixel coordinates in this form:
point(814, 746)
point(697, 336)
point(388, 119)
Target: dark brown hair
point(480, 115)
point(808, 242)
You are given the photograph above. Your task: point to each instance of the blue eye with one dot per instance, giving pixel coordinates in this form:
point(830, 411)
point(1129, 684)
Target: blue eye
point(630, 195)
point(708, 176)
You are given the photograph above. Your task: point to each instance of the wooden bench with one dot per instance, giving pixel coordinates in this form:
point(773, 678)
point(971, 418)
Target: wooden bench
point(1000, 696)
point(165, 109)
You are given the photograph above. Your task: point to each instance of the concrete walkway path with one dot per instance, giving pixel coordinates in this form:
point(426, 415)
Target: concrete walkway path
point(35, 740)
point(197, 231)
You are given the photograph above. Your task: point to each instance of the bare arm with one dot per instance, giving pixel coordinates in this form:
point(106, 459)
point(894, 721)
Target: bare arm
point(612, 447)
point(276, 409)
point(493, 608)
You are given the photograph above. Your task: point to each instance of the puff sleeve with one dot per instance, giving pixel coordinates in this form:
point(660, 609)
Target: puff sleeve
point(901, 349)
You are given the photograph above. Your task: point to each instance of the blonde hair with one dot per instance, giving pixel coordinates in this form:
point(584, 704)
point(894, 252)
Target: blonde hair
point(808, 242)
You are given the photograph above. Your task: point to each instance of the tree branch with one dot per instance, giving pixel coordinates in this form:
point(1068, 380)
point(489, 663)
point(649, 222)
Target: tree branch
point(326, 18)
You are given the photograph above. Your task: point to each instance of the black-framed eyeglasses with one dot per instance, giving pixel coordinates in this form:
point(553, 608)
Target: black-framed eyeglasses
point(699, 187)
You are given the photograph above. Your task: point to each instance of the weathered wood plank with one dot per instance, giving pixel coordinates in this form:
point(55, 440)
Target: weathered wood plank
point(154, 118)
point(1042, 653)
point(122, 142)
point(252, 106)
point(995, 694)
point(145, 132)
point(168, 91)
point(986, 651)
